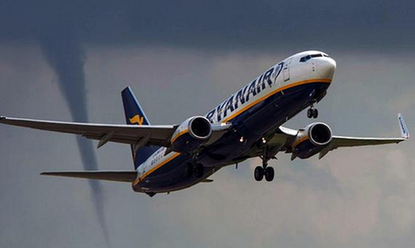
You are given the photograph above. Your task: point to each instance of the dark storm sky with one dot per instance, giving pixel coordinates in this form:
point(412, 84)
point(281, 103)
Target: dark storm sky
point(182, 58)
point(260, 25)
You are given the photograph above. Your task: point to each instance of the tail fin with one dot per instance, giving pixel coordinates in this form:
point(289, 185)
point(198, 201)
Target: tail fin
point(135, 115)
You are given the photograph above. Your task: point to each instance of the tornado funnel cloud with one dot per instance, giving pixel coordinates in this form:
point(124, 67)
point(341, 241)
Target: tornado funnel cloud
point(66, 57)
point(89, 161)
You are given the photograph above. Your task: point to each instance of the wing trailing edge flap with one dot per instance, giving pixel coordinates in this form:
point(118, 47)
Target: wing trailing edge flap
point(115, 176)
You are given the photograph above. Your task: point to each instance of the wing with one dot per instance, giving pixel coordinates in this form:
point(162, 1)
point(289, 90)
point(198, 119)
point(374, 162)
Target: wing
point(137, 135)
point(117, 176)
point(127, 134)
point(342, 141)
point(284, 139)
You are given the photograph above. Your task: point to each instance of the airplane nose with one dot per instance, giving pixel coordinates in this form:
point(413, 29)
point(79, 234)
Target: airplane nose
point(326, 68)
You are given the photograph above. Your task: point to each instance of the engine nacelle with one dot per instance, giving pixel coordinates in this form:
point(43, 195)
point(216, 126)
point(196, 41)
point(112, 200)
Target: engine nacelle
point(311, 140)
point(191, 134)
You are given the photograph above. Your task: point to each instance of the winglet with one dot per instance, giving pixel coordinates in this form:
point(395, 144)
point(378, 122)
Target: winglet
point(402, 126)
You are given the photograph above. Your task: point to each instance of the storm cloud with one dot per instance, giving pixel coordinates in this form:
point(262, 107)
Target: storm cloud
point(220, 25)
point(173, 53)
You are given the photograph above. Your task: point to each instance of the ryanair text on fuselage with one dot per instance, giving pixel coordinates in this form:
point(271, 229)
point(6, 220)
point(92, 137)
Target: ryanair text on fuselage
point(244, 95)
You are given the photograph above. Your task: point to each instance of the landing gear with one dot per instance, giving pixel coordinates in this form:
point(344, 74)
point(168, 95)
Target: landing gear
point(193, 168)
point(264, 170)
point(312, 113)
point(269, 174)
point(259, 173)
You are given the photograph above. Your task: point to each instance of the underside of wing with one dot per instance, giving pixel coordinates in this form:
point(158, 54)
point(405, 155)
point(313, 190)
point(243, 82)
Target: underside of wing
point(281, 139)
point(116, 176)
point(127, 134)
point(340, 141)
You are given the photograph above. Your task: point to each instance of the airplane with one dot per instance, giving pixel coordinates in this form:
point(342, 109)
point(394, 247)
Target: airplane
point(247, 124)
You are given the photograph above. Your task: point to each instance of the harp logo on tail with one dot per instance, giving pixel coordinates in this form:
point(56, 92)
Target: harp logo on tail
point(137, 120)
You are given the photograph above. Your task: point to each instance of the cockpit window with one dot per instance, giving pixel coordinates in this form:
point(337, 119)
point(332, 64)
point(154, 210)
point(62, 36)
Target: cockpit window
point(316, 55)
point(305, 58)
point(308, 57)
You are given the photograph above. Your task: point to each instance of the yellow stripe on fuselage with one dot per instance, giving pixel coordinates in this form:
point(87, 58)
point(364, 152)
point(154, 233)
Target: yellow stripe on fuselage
point(273, 93)
point(162, 163)
point(154, 169)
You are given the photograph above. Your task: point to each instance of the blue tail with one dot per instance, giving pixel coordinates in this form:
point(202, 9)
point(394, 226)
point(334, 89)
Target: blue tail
point(135, 115)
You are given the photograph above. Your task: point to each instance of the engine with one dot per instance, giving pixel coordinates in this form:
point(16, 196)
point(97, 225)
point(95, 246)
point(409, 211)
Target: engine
point(311, 140)
point(191, 134)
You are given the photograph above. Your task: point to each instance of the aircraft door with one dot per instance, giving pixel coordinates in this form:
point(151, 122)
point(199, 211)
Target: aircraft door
point(286, 70)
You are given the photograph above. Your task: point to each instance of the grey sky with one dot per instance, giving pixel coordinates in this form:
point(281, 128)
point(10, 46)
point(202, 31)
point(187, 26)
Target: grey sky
point(181, 59)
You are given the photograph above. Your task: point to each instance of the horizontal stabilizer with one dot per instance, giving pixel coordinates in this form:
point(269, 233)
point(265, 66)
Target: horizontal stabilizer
point(117, 176)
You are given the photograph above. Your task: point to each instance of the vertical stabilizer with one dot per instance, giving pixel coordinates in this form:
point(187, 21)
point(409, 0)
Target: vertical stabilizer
point(135, 115)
